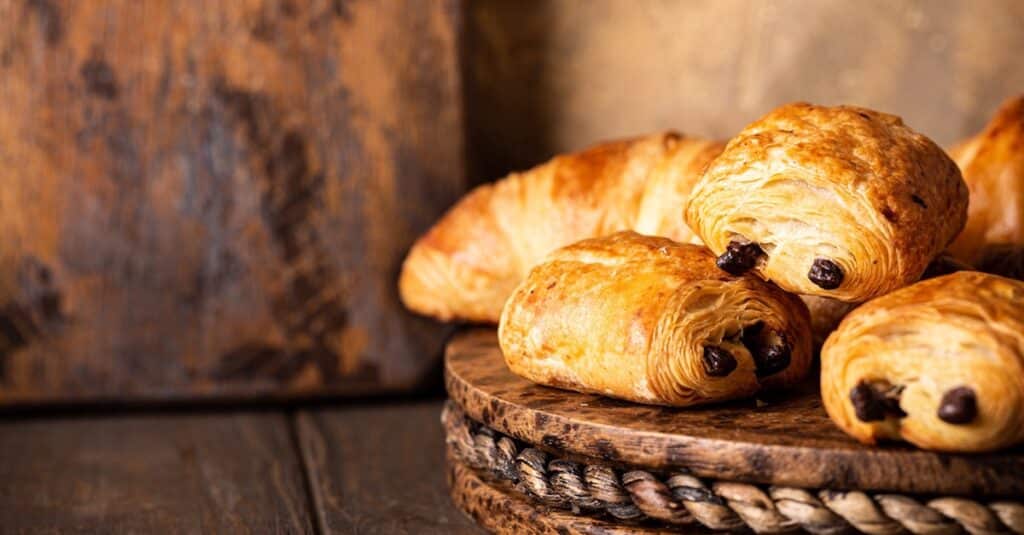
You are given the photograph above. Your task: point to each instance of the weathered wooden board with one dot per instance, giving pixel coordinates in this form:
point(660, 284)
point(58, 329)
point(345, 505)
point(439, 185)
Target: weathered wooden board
point(379, 469)
point(162, 473)
point(212, 198)
point(787, 440)
point(548, 76)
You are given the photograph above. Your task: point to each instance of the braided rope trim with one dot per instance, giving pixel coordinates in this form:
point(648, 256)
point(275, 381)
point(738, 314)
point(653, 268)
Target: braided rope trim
point(678, 498)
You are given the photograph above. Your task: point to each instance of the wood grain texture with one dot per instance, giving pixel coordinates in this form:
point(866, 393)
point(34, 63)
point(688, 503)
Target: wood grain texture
point(212, 198)
point(546, 76)
point(500, 510)
point(379, 469)
point(785, 441)
point(163, 473)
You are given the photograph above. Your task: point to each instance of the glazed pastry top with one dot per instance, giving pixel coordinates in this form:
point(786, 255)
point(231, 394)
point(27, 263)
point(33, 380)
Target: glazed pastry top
point(939, 363)
point(842, 202)
point(650, 320)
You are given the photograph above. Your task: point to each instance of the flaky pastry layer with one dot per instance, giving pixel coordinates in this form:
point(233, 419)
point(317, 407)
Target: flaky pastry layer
point(841, 202)
point(939, 364)
point(650, 320)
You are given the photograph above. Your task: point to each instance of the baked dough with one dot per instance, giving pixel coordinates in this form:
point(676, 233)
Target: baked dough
point(650, 320)
point(470, 261)
point(939, 364)
point(841, 202)
point(993, 167)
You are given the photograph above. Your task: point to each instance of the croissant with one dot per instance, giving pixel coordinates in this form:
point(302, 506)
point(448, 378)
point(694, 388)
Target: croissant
point(841, 202)
point(466, 266)
point(650, 320)
point(939, 364)
point(993, 167)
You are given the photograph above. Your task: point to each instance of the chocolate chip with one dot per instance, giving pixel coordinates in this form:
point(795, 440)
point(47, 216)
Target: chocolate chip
point(958, 406)
point(772, 360)
point(718, 362)
point(739, 258)
point(826, 274)
point(875, 402)
point(918, 201)
point(891, 402)
point(865, 403)
point(750, 335)
point(769, 349)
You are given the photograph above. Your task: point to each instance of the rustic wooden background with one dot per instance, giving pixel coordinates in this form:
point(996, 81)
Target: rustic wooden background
point(547, 76)
point(212, 198)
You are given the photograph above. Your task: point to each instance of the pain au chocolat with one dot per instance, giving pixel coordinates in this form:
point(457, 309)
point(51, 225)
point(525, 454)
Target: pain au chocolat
point(470, 261)
point(992, 164)
point(650, 320)
point(939, 364)
point(840, 202)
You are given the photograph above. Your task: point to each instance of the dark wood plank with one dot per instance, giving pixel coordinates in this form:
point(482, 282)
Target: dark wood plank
point(788, 440)
point(380, 469)
point(212, 198)
point(163, 473)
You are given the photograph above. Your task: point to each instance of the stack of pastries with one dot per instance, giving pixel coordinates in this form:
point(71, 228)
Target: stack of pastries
point(680, 271)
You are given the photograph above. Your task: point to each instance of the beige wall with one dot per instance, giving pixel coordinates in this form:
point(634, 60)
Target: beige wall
point(548, 76)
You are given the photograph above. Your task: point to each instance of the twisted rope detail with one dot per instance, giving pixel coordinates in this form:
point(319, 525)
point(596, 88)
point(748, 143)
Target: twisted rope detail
point(678, 498)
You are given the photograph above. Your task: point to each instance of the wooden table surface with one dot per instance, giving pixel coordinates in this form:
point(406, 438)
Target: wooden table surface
point(373, 467)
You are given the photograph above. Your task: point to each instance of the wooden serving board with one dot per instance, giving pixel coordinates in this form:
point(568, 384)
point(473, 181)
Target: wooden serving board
point(788, 440)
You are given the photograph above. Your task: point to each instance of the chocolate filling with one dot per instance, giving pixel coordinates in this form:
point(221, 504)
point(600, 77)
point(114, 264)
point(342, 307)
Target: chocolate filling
point(826, 274)
point(958, 406)
point(774, 359)
point(873, 402)
point(718, 362)
point(739, 258)
point(769, 349)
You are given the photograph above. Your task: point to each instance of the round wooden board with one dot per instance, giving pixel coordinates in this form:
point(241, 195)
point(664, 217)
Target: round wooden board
point(503, 511)
point(786, 441)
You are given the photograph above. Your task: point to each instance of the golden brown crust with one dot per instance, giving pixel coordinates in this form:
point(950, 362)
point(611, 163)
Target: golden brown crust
point(469, 262)
point(993, 167)
point(923, 342)
point(630, 316)
point(844, 184)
